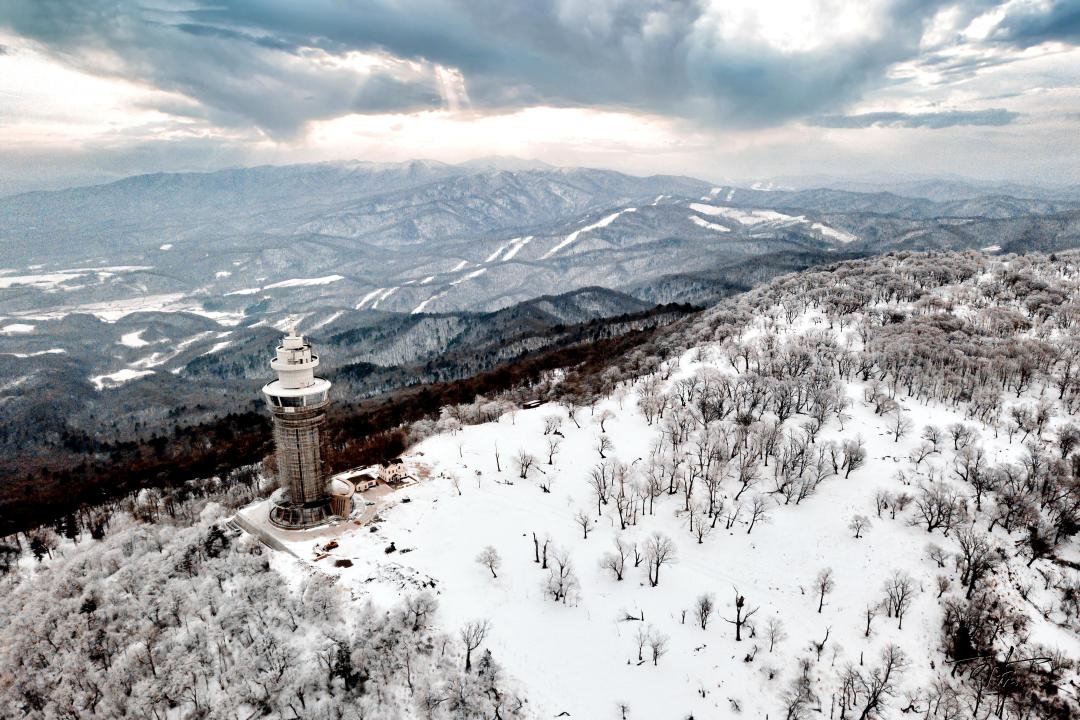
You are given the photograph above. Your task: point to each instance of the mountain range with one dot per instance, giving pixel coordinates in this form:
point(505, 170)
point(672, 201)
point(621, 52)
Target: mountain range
point(117, 300)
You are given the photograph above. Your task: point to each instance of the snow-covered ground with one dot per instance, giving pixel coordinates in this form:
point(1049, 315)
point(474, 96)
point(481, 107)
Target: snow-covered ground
point(113, 310)
point(133, 339)
point(755, 218)
point(58, 279)
point(119, 377)
point(19, 328)
point(841, 236)
point(37, 353)
point(572, 237)
point(700, 222)
point(305, 282)
point(581, 657)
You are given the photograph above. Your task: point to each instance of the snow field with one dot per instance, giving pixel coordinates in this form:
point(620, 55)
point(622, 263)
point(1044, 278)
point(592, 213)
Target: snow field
point(581, 657)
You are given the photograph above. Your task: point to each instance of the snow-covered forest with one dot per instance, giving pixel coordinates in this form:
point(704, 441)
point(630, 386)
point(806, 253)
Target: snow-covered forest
point(853, 492)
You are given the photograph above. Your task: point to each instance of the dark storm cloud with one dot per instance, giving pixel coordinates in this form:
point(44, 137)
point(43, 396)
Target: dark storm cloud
point(1031, 25)
point(245, 60)
point(932, 120)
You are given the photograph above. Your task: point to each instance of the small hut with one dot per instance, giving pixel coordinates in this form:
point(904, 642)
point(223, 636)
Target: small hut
point(341, 493)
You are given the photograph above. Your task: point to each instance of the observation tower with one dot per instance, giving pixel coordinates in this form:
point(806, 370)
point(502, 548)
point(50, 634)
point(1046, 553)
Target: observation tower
point(298, 402)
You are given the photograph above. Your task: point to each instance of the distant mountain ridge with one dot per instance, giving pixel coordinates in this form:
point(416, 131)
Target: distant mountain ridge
point(938, 189)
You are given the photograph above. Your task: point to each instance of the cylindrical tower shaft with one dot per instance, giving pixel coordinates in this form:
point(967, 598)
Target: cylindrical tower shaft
point(298, 402)
point(298, 442)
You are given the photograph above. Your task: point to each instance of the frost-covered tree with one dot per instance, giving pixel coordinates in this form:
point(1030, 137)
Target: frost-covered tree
point(774, 632)
point(615, 561)
point(858, 525)
point(824, 584)
point(584, 519)
point(525, 462)
point(562, 582)
point(489, 558)
point(472, 636)
point(659, 551)
point(703, 609)
point(900, 590)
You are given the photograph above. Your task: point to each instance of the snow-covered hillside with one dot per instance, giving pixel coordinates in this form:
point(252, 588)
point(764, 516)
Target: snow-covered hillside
point(852, 492)
point(839, 491)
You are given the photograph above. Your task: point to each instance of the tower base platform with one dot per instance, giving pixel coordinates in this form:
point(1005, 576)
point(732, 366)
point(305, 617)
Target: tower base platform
point(288, 515)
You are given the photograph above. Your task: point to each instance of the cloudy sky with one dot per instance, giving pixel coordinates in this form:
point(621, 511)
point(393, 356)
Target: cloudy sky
point(720, 89)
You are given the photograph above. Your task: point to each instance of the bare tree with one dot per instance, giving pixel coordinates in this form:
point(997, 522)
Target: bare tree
point(702, 529)
point(976, 558)
point(616, 561)
point(553, 443)
point(742, 615)
point(961, 434)
point(854, 455)
point(571, 408)
point(604, 445)
point(758, 508)
point(659, 550)
point(969, 466)
point(920, 453)
point(932, 435)
point(937, 554)
point(824, 583)
point(524, 461)
point(489, 558)
point(801, 692)
point(604, 416)
point(540, 552)
point(871, 613)
point(418, 608)
point(899, 592)
point(732, 516)
point(899, 424)
point(819, 647)
point(639, 555)
point(748, 473)
point(658, 645)
point(858, 524)
point(562, 581)
point(472, 636)
point(876, 686)
point(584, 519)
point(1068, 438)
point(938, 506)
point(774, 632)
point(704, 608)
point(654, 482)
point(625, 506)
point(642, 639)
point(552, 423)
point(600, 479)
point(882, 500)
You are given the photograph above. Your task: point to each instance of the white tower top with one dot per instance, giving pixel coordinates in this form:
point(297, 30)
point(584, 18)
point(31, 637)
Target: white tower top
point(295, 364)
point(296, 385)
